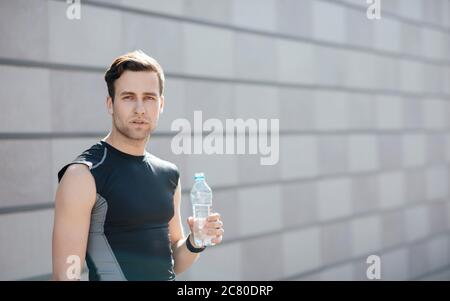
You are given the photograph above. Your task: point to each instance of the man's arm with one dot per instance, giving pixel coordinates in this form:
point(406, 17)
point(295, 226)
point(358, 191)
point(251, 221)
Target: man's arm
point(75, 198)
point(183, 258)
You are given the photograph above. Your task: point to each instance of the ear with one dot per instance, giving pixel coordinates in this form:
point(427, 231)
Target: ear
point(110, 105)
point(161, 105)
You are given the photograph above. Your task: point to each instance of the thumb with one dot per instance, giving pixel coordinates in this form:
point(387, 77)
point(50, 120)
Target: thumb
point(190, 221)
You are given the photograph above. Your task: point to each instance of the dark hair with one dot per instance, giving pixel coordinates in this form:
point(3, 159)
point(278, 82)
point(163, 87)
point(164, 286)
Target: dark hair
point(133, 61)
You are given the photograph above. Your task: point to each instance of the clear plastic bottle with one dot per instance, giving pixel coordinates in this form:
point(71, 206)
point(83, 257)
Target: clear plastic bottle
point(201, 200)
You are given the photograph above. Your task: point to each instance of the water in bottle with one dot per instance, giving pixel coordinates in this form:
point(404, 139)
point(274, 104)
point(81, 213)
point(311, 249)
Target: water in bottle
point(201, 199)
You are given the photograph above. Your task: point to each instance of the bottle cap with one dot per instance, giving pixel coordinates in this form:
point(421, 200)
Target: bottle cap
point(199, 176)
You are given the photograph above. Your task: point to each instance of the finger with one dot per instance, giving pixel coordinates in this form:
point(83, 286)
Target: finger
point(190, 221)
point(215, 225)
point(217, 240)
point(215, 232)
point(213, 217)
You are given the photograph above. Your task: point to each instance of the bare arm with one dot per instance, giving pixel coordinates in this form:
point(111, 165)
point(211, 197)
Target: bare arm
point(182, 257)
point(75, 198)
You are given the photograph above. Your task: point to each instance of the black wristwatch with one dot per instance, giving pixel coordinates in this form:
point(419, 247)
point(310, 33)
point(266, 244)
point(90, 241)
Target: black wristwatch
point(191, 247)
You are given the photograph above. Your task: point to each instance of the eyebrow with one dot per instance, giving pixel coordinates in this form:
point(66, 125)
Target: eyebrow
point(132, 93)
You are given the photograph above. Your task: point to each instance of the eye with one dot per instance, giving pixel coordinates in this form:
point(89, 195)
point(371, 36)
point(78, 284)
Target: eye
point(128, 97)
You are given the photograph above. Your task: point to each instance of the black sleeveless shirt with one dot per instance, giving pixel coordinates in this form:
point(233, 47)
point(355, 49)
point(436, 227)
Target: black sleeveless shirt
point(129, 229)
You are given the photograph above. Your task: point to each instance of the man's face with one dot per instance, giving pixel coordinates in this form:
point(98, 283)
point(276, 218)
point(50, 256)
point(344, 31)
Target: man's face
point(137, 104)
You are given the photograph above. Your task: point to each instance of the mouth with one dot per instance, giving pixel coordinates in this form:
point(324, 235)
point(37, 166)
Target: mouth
point(139, 122)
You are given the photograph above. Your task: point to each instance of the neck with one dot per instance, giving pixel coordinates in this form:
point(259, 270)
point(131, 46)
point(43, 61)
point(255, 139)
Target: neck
point(124, 144)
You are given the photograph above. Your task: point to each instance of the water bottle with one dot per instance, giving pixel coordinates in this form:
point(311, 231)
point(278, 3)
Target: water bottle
point(201, 199)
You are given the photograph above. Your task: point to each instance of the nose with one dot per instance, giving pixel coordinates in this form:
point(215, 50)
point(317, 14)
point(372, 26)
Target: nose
point(139, 108)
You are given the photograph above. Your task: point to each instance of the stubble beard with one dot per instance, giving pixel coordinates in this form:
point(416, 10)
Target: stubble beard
point(131, 133)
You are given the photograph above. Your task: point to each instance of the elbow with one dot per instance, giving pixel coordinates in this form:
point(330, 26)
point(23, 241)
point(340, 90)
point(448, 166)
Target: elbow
point(58, 277)
point(62, 276)
point(178, 270)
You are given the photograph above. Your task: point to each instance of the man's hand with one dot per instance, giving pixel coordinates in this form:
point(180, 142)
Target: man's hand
point(213, 228)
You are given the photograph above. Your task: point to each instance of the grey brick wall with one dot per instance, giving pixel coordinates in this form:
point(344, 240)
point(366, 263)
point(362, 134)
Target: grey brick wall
point(363, 108)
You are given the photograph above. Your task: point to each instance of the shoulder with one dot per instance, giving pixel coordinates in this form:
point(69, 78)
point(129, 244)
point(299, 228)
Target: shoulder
point(91, 158)
point(77, 173)
point(77, 185)
point(165, 168)
point(161, 163)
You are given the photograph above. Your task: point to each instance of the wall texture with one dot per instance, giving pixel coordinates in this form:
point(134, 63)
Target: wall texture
point(364, 117)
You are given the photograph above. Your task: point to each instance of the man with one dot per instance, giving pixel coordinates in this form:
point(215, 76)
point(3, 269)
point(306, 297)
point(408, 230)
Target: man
point(117, 206)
